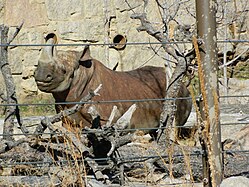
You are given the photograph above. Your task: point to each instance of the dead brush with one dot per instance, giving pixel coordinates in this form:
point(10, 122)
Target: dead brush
point(187, 164)
point(77, 171)
point(183, 138)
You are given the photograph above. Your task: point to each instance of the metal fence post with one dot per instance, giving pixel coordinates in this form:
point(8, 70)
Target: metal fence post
point(206, 30)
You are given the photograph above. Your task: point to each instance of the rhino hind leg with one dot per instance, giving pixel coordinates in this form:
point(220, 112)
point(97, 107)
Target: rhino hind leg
point(184, 108)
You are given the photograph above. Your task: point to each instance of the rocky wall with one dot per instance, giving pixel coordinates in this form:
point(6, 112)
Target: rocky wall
point(75, 21)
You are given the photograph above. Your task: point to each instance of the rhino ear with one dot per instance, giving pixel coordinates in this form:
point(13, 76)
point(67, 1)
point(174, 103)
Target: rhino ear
point(51, 36)
point(86, 56)
point(50, 40)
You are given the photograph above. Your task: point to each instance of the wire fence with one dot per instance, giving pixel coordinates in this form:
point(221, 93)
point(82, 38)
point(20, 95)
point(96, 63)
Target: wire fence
point(113, 44)
point(48, 163)
point(130, 101)
point(242, 120)
point(117, 101)
point(123, 159)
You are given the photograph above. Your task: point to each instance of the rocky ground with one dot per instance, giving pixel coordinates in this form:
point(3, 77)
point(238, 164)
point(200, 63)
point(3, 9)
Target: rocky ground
point(235, 126)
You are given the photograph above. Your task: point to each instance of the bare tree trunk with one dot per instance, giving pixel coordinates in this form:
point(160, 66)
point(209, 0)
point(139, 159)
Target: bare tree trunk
point(12, 108)
point(10, 87)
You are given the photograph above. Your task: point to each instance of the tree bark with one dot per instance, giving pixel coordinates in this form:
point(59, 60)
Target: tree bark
point(12, 110)
point(10, 87)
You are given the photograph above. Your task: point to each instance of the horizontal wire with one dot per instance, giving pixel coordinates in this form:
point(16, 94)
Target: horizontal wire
point(124, 159)
point(113, 44)
point(235, 123)
point(123, 130)
point(90, 131)
point(100, 102)
point(113, 101)
point(95, 159)
point(232, 96)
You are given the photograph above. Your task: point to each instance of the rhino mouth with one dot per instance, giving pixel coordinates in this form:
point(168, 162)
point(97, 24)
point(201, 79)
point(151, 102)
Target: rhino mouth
point(43, 84)
point(48, 86)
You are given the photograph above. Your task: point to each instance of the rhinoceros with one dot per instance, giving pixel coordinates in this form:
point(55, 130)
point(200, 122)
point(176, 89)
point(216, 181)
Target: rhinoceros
point(70, 75)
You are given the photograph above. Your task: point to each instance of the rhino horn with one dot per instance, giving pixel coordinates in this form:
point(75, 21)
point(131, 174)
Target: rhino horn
point(49, 51)
point(86, 56)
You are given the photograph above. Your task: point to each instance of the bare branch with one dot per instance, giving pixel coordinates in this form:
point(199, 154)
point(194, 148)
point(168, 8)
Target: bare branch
point(122, 123)
point(18, 29)
point(236, 58)
point(76, 142)
point(112, 133)
point(56, 118)
point(152, 56)
point(8, 145)
point(147, 26)
point(130, 8)
point(125, 119)
point(113, 113)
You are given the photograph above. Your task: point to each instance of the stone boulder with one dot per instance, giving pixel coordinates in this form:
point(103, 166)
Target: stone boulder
point(239, 181)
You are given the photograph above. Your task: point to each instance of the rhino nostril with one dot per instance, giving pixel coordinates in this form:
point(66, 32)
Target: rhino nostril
point(49, 77)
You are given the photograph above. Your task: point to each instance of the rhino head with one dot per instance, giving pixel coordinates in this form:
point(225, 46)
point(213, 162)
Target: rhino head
point(55, 70)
